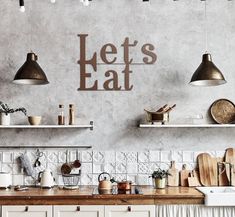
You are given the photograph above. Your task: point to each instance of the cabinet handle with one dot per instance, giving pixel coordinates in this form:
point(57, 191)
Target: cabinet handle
point(78, 208)
point(129, 208)
point(26, 209)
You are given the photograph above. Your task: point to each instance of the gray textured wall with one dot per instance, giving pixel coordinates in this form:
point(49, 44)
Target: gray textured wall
point(177, 31)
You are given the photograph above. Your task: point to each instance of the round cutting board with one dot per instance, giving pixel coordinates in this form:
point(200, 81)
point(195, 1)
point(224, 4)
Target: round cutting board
point(223, 111)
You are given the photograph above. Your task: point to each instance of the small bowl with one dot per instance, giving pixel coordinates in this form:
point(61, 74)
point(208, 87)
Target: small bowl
point(34, 120)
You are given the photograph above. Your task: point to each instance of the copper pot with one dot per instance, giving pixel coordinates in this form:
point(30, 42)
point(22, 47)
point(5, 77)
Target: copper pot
point(124, 185)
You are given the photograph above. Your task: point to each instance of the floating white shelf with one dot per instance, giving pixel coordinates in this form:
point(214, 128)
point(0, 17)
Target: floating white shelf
point(90, 126)
point(144, 125)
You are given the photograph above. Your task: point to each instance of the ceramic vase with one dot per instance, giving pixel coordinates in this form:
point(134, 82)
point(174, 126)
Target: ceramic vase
point(5, 119)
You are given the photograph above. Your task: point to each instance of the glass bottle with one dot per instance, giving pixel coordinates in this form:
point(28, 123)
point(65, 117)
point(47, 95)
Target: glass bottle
point(61, 118)
point(71, 114)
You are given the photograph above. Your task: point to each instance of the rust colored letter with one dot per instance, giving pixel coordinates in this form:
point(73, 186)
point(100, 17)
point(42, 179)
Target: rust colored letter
point(104, 51)
point(147, 50)
point(126, 46)
point(127, 72)
point(83, 62)
point(113, 80)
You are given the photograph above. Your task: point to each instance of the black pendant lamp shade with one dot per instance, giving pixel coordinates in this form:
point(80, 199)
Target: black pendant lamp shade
point(207, 74)
point(30, 72)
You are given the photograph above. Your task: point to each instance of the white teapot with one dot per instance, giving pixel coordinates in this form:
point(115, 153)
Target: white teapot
point(46, 179)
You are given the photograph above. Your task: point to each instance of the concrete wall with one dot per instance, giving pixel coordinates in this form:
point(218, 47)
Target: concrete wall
point(177, 31)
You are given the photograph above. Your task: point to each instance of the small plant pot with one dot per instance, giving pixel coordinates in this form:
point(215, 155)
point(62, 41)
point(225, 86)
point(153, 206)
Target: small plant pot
point(5, 119)
point(160, 183)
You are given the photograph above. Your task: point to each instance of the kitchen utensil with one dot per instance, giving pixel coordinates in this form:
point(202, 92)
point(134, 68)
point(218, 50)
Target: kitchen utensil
point(184, 174)
point(162, 115)
point(26, 164)
point(173, 179)
point(21, 188)
point(124, 185)
point(104, 181)
point(66, 167)
point(207, 169)
point(193, 180)
point(34, 120)
point(223, 111)
point(71, 181)
point(77, 163)
point(46, 179)
point(223, 180)
point(5, 180)
point(37, 162)
point(230, 158)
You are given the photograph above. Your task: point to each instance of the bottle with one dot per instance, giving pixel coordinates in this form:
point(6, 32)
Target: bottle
point(61, 118)
point(71, 114)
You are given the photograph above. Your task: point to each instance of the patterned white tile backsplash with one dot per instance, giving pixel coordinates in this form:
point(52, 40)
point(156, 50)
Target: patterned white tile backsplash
point(131, 165)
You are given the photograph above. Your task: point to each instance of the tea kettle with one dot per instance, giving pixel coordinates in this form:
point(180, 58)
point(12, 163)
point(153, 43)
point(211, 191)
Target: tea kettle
point(104, 181)
point(46, 179)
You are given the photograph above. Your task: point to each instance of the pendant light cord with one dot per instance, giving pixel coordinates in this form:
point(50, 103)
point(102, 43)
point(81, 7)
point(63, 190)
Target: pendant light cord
point(206, 27)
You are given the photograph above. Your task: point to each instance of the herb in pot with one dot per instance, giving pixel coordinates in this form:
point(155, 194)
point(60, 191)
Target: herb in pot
point(159, 178)
point(4, 108)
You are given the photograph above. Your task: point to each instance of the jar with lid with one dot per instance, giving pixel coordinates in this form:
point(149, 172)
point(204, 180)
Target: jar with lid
point(61, 117)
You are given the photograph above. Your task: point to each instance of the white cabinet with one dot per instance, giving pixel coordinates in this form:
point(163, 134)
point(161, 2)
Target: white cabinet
point(130, 211)
point(26, 211)
point(78, 211)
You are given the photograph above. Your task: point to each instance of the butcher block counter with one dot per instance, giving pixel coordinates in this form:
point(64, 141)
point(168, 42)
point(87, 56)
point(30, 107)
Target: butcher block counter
point(85, 196)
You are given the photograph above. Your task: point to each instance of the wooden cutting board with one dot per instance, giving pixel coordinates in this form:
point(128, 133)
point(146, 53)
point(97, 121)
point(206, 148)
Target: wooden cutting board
point(230, 158)
point(193, 179)
point(184, 174)
point(207, 170)
point(173, 180)
point(222, 176)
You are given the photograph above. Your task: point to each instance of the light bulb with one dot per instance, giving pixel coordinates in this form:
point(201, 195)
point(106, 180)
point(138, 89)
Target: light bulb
point(53, 1)
point(86, 3)
point(22, 9)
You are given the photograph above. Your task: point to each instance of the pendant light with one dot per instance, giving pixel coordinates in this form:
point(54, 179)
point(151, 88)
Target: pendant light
point(207, 74)
point(30, 72)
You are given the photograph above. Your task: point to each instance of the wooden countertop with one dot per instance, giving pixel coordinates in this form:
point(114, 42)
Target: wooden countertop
point(85, 196)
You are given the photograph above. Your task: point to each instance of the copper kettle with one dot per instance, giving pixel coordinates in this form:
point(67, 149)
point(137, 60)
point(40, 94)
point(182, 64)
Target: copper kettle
point(104, 181)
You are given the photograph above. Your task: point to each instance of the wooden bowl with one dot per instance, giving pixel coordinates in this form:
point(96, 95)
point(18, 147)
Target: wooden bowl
point(34, 120)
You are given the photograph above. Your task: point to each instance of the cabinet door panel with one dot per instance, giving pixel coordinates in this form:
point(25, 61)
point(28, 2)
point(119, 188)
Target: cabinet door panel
point(26, 211)
point(78, 211)
point(130, 211)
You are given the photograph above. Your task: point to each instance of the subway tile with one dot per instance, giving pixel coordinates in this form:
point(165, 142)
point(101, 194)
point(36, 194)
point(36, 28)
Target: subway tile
point(86, 179)
point(86, 168)
point(121, 157)
point(154, 156)
point(110, 167)
point(51, 157)
point(17, 180)
point(121, 168)
point(166, 156)
point(143, 168)
point(7, 168)
point(98, 157)
point(131, 157)
point(177, 156)
point(132, 178)
point(132, 168)
point(7, 157)
point(143, 179)
point(188, 156)
point(61, 157)
point(86, 156)
point(98, 168)
point(143, 157)
point(109, 156)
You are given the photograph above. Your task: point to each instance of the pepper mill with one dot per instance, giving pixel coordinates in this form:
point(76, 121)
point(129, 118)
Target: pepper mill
point(71, 114)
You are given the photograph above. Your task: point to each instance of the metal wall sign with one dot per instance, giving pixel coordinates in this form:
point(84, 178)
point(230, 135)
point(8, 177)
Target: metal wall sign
point(108, 56)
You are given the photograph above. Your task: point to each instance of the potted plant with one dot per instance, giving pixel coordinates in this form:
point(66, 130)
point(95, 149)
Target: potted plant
point(159, 178)
point(5, 112)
